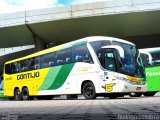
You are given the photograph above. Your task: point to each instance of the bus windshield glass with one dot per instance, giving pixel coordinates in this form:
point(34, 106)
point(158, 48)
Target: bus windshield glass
point(131, 64)
point(150, 56)
point(145, 60)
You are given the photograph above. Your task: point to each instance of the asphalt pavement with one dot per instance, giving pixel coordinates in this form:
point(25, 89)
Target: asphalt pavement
point(82, 109)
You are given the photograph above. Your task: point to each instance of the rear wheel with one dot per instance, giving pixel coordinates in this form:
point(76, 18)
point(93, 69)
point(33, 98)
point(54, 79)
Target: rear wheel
point(149, 94)
point(25, 94)
point(17, 94)
point(135, 94)
point(88, 91)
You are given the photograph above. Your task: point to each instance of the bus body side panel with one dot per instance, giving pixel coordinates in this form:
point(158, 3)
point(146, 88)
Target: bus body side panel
point(48, 80)
point(55, 80)
point(31, 79)
point(88, 73)
point(153, 78)
point(111, 82)
point(72, 84)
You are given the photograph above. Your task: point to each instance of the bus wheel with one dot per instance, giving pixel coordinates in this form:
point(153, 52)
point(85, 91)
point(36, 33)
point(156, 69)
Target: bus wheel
point(25, 94)
point(149, 94)
point(88, 91)
point(135, 94)
point(17, 94)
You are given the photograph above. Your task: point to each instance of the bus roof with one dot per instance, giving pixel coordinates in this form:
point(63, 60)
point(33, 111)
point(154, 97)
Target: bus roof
point(70, 44)
point(52, 49)
point(96, 38)
point(150, 50)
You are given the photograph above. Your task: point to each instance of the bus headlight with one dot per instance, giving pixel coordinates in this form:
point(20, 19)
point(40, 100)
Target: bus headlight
point(133, 83)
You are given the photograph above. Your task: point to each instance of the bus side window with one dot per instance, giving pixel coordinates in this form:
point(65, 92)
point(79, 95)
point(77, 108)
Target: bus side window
point(81, 54)
point(15, 67)
point(109, 60)
point(8, 69)
point(64, 56)
point(37, 62)
point(23, 65)
point(48, 60)
point(31, 63)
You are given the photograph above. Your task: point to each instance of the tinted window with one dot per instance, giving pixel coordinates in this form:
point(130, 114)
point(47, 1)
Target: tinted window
point(110, 63)
point(81, 54)
point(31, 64)
point(7, 69)
point(15, 67)
point(157, 58)
point(49, 60)
point(37, 63)
point(64, 56)
point(24, 65)
point(97, 45)
point(145, 59)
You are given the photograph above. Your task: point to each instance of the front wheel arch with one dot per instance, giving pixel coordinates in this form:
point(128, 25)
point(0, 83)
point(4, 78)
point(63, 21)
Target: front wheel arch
point(88, 90)
point(84, 82)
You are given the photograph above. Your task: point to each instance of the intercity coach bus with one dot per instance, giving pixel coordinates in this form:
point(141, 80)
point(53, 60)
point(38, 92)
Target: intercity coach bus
point(151, 61)
point(92, 66)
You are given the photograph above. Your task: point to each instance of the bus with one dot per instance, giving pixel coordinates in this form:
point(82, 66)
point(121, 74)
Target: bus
point(151, 61)
point(1, 87)
point(92, 66)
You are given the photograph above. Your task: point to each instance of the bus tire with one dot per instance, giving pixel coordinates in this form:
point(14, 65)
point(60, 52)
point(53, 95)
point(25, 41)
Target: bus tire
point(135, 94)
point(147, 94)
point(88, 91)
point(17, 94)
point(25, 94)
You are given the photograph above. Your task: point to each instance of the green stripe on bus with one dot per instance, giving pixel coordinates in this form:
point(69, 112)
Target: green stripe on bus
point(62, 76)
point(79, 43)
point(51, 76)
point(75, 44)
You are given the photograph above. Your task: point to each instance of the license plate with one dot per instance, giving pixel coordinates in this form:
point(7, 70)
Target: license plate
point(138, 88)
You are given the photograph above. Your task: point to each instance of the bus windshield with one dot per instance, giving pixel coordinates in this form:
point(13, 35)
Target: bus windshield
point(150, 58)
point(131, 64)
point(146, 59)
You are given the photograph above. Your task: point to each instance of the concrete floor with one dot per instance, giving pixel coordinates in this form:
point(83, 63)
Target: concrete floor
point(81, 109)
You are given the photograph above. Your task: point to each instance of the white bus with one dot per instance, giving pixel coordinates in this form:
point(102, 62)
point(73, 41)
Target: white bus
point(92, 66)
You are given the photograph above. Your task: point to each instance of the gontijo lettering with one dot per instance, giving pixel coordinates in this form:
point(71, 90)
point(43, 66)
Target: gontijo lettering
point(28, 75)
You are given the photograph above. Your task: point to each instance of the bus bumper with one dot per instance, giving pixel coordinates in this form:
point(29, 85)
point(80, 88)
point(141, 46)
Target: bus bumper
point(128, 87)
